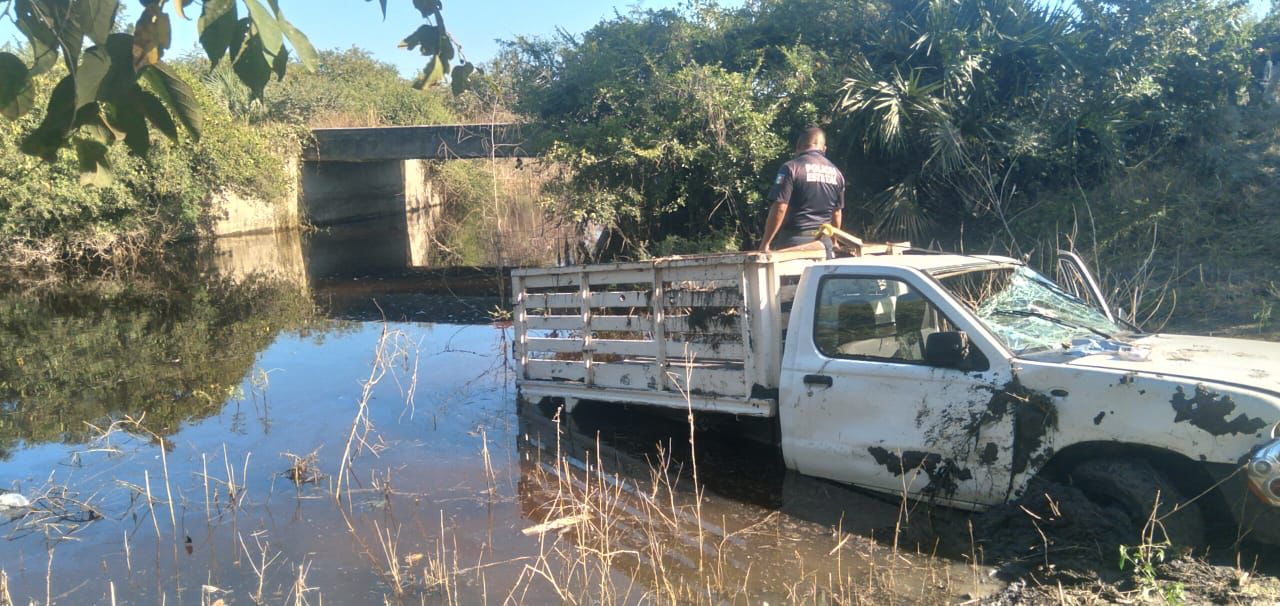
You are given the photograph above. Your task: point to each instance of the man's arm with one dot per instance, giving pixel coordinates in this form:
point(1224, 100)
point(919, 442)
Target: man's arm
point(776, 212)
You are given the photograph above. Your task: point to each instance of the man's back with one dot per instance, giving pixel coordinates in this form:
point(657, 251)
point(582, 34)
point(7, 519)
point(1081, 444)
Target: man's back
point(813, 188)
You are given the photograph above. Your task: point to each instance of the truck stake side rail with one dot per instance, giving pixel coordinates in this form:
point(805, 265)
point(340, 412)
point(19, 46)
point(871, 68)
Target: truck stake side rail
point(701, 331)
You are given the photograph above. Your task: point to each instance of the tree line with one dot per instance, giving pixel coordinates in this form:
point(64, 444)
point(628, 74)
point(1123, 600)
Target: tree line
point(940, 112)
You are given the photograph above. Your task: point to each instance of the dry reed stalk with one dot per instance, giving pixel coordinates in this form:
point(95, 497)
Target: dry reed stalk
point(5, 598)
point(151, 505)
point(48, 579)
point(259, 565)
point(389, 349)
point(204, 476)
point(299, 590)
point(391, 555)
point(168, 493)
point(304, 469)
point(490, 476)
point(128, 559)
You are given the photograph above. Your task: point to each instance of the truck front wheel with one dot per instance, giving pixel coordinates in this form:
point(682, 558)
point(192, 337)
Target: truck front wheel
point(1132, 485)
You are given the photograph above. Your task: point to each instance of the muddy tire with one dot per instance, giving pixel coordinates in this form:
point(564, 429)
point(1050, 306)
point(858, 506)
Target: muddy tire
point(1132, 486)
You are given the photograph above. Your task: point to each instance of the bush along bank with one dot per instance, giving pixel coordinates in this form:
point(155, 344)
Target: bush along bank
point(50, 218)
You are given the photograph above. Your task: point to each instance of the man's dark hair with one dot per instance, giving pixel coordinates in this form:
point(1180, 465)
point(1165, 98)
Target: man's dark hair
point(810, 138)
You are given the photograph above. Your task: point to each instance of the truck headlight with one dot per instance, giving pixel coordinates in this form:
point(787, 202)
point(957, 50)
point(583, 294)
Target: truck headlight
point(1264, 473)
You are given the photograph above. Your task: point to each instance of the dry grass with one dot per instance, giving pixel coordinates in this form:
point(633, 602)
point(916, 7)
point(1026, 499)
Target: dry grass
point(394, 349)
point(303, 469)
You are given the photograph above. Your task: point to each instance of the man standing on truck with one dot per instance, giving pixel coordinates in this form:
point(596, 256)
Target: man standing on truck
point(808, 192)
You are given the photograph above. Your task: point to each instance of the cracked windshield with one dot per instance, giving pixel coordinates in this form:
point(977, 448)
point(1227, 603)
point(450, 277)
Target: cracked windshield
point(1027, 311)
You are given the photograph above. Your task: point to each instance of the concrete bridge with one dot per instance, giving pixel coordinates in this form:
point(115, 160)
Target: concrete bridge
point(351, 175)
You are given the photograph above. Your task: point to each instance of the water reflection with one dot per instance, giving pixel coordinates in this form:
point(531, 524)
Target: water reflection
point(75, 354)
point(275, 256)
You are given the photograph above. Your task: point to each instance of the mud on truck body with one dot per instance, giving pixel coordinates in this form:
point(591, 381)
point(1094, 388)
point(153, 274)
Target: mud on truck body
point(956, 378)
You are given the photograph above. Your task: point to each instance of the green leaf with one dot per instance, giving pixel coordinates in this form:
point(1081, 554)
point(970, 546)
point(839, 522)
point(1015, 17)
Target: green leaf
point(461, 78)
point(106, 72)
point(176, 95)
point(306, 53)
point(16, 93)
point(240, 37)
point(432, 75)
point(267, 25)
point(153, 108)
point(44, 43)
point(90, 125)
point(151, 35)
point(444, 46)
point(217, 27)
point(127, 118)
point(54, 22)
point(280, 63)
point(122, 78)
point(60, 113)
point(252, 67)
point(91, 74)
point(427, 7)
point(426, 37)
point(95, 170)
point(96, 17)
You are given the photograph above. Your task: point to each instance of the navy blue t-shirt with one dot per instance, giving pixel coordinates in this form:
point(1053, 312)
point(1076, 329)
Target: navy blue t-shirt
point(813, 189)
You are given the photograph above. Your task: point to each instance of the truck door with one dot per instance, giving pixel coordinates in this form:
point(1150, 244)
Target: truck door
point(862, 405)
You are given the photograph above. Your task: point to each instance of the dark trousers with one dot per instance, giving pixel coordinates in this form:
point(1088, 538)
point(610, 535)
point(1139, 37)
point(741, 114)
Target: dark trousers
point(787, 238)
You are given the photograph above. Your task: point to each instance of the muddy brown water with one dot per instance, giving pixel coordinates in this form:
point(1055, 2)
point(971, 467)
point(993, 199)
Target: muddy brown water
point(216, 371)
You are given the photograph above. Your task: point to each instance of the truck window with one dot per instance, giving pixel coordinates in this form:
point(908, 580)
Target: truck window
point(874, 318)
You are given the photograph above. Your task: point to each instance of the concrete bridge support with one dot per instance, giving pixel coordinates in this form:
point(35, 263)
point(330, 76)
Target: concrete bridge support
point(394, 200)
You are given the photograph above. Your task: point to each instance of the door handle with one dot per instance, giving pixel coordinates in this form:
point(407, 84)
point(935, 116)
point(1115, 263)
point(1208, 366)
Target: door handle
point(822, 380)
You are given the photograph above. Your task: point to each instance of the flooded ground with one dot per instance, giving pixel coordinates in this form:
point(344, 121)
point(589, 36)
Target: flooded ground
point(255, 432)
point(253, 427)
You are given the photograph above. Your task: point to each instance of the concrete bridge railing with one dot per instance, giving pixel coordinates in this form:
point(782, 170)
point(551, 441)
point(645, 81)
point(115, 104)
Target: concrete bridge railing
point(441, 142)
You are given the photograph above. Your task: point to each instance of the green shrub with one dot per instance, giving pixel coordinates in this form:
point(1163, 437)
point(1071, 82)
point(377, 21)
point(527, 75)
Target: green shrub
point(351, 88)
point(48, 214)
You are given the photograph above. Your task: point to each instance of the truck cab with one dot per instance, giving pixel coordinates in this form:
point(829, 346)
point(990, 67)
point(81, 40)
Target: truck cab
point(960, 378)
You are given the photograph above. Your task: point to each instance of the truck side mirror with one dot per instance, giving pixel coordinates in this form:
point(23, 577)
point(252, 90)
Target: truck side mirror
point(947, 349)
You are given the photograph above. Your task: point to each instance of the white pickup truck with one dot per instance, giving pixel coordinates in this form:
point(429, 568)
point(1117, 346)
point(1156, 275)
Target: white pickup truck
point(956, 378)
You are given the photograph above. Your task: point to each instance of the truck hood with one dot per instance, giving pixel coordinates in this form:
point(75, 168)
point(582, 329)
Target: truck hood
point(1253, 364)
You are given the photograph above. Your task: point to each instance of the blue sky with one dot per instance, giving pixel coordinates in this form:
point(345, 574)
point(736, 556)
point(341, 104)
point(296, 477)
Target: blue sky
point(475, 24)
